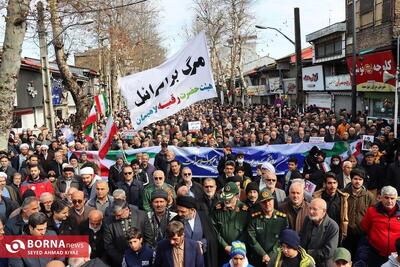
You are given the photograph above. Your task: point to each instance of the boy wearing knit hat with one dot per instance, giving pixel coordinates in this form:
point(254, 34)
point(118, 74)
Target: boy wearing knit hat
point(238, 256)
point(290, 253)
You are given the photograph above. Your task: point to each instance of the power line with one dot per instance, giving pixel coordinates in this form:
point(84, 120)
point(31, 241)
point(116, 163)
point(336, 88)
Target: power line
point(104, 9)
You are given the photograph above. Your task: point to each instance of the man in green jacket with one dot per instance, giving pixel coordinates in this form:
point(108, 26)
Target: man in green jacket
point(264, 229)
point(230, 219)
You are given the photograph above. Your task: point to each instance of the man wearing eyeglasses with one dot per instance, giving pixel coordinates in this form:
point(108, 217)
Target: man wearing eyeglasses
point(195, 189)
point(269, 181)
point(158, 183)
point(133, 188)
point(79, 212)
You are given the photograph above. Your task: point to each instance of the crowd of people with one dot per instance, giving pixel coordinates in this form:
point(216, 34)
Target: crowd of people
point(157, 214)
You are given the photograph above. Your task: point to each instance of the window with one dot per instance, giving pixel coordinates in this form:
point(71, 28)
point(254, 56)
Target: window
point(330, 48)
point(366, 6)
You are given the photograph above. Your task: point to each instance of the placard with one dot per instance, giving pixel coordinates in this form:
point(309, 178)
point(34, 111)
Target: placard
point(367, 141)
point(194, 126)
point(316, 139)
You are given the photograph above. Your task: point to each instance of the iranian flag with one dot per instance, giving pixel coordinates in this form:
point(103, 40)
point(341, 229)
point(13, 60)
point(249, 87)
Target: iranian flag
point(111, 130)
point(101, 104)
point(89, 124)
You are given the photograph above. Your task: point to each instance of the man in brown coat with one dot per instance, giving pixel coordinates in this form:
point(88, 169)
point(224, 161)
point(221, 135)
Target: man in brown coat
point(359, 200)
point(295, 207)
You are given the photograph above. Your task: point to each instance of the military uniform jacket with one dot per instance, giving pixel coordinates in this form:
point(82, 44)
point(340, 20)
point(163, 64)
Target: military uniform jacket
point(264, 232)
point(230, 225)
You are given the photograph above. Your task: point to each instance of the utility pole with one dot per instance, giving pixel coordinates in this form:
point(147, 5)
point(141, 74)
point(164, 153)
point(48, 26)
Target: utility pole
point(353, 66)
point(48, 109)
point(299, 71)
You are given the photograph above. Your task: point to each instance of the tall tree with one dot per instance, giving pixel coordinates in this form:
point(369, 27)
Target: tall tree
point(69, 80)
point(16, 24)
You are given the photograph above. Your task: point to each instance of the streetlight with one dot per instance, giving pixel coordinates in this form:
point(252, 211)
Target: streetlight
point(297, 44)
point(275, 29)
point(48, 109)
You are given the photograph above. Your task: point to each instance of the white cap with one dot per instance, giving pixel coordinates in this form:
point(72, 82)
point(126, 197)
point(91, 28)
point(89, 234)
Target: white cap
point(44, 146)
point(87, 170)
point(72, 143)
point(24, 145)
point(268, 166)
point(3, 174)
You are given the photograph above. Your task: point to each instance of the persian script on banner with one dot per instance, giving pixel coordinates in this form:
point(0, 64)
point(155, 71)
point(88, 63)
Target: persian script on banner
point(157, 93)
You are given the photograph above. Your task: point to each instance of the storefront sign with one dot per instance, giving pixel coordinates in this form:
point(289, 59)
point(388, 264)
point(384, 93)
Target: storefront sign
point(289, 86)
point(274, 85)
point(313, 78)
point(369, 71)
point(257, 90)
point(339, 82)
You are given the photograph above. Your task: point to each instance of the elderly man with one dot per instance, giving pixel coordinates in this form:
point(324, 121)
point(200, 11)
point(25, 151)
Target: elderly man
point(124, 218)
point(102, 200)
point(230, 218)
point(295, 207)
point(46, 199)
point(115, 173)
point(198, 227)
point(336, 201)
point(160, 216)
point(7, 206)
point(195, 189)
point(89, 180)
point(269, 181)
point(381, 224)
point(158, 183)
point(344, 178)
point(19, 161)
point(320, 234)
point(67, 180)
point(93, 227)
point(147, 167)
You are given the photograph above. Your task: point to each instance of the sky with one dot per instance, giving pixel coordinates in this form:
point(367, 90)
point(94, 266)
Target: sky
point(176, 16)
point(314, 15)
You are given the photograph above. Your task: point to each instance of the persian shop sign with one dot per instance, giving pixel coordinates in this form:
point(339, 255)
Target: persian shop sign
point(369, 71)
point(339, 82)
point(313, 78)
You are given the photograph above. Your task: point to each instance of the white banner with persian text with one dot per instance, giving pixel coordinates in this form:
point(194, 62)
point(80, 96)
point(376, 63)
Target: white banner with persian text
point(157, 93)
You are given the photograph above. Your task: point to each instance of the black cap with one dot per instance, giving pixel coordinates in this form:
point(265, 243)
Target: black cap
point(187, 202)
point(234, 179)
point(252, 186)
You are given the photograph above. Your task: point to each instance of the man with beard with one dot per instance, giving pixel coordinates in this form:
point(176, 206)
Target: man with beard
point(19, 160)
point(252, 194)
point(35, 183)
point(295, 207)
point(67, 180)
point(160, 216)
point(359, 200)
point(55, 166)
point(158, 183)
point(79, 212)
point(6, 167)
point(319, 235)
point(229, 219)
point(89, 182)
point(124, 218)
point(93, 227)
point(198, 227)
point(264, 228)
point(336, 201)
point(16, 224)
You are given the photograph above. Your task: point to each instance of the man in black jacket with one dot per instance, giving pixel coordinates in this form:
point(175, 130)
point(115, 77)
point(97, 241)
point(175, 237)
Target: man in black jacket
point(93, 227)
point(115, 173)
point(16, 224)
point(6, 206)
point(133, 188)
point(124, 218)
